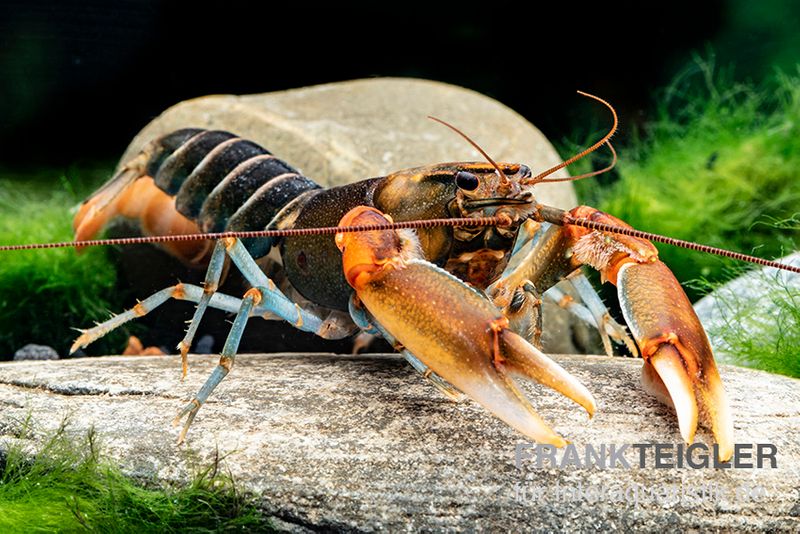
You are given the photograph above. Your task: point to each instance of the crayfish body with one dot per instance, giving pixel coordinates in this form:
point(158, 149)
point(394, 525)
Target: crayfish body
point(490, 280)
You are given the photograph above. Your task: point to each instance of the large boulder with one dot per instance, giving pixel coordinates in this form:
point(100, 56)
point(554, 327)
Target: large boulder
point(364, 443)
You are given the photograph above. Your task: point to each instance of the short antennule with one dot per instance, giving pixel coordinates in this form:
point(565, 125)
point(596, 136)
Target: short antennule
point(540, 178)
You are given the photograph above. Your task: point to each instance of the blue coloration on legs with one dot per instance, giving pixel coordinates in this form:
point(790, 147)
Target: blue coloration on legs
point(142, 308)
point(188, 292)
point(359, 315)
point(213, 274)
point(226, 360)
point(274, 300)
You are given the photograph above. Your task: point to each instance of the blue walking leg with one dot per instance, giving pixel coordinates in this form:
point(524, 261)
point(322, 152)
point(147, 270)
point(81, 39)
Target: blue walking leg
point(141, 308)
point(251, 298)
point(179, 291)
point(360, 317)
point(274, 301)
point(210, 286)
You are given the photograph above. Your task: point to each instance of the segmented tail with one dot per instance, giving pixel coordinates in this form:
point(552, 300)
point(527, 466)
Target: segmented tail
point(132, 193)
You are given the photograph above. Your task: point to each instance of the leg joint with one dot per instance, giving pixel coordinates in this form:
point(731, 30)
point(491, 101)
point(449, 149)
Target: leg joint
point(255, 294)
point(178, 291)
point(226, 362)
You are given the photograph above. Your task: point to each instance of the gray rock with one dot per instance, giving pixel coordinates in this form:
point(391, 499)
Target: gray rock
point(747, 301)
point(32, 351)
point(343, 132)
point(363, 443)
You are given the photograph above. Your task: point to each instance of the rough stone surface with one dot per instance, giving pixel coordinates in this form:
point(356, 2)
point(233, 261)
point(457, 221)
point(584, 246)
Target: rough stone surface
point(343, 132)
point(32, 351)
point(751, 292)
point(362, 443)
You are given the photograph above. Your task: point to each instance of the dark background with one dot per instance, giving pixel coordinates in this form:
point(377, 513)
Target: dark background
point(79, 79)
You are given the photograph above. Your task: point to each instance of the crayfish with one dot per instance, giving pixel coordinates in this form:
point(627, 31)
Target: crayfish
point(458, 291)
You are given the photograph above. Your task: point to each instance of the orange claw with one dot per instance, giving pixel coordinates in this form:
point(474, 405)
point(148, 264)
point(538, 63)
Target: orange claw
point(679, 367)
point(453, 329)
point(679, 364)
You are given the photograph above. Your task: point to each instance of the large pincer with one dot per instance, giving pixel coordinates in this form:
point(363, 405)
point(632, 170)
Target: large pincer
point(453, 329)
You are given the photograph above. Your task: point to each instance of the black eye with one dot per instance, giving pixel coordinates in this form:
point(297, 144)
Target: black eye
point(466, 181)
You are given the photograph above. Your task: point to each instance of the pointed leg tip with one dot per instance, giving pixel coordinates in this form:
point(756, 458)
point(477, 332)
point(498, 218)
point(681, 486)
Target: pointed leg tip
point(724, 452)
point(184, 349)
point(607, 345)
point(78, 344)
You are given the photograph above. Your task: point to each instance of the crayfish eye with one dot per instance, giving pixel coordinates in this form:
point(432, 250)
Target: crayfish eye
point(466, 181)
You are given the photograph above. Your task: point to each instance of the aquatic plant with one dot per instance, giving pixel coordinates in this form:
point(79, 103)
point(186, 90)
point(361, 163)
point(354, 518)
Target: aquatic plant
point(721, 158)
point(44, 293)
point(68, 486)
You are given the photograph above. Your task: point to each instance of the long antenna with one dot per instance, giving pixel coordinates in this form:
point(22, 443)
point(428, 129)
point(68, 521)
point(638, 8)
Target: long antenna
point(287, 232)
point(475, 145)
point(588, 174)
point(547, 213)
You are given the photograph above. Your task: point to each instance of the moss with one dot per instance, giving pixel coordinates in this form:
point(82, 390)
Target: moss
point(68, 487)
point(44, 293)
point(720, 159)
point(762, 333)
point(757, 321)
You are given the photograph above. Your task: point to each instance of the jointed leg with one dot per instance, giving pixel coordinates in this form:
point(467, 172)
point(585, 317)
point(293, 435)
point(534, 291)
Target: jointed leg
point(606, 325)
point(274, 305)
point(593, 312)
point(538, 263)
point(213, 274)
point(534, 267)
point(179, 291)
point(274, 300)
point(251, 298)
